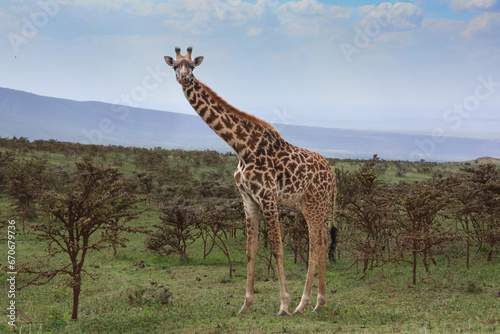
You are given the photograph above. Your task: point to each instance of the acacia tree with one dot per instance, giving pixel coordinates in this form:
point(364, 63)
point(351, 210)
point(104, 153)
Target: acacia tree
point(7, 160)
point(97, 200)
point(467, 209)
point(146, 185)
point(420, 221)
point(217, 216)
point(366, 208)
point(487, 180)
point(27, 182)
point(178, 229)
point(183, 221)
point(295, 232)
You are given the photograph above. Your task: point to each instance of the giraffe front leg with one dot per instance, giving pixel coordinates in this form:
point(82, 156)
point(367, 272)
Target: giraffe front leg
point(285, 296)
point(251, 254)
point(252, 221)
point(277, 251)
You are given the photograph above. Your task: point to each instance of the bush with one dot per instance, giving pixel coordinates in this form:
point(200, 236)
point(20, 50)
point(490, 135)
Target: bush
point(149, 296)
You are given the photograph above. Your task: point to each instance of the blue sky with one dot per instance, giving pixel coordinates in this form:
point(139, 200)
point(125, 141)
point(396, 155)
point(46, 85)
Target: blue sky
point(411, 66)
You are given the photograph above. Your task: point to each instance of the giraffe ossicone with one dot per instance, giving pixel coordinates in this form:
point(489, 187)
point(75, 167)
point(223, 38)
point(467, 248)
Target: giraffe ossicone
point(270, 171)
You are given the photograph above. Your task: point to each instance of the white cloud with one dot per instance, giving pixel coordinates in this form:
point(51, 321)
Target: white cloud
point(442, 31)
point(309, 17)
point(122, 17)
point(253, 32)
point(475, 5)
point(443, 26)
point(398, 16)
point(433, 38)
point(485, 26)
point(203, 17)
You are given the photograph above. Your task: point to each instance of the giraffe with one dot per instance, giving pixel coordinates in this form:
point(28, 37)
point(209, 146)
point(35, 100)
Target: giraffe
point(270, 171)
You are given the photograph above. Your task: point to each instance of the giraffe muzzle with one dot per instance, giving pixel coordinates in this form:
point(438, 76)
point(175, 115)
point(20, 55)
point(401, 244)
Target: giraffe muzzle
point(185, 80)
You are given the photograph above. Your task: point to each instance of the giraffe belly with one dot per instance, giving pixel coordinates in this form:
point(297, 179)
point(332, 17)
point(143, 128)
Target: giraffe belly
point(291, 193)
point(289, 199)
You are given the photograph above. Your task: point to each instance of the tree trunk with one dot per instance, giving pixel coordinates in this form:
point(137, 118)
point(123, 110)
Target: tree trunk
point(468, 253)
point(76, 299)
point(23, 219)
point(224, 250)
point(468, 244)
point(424, 261)
point(365, 266)
point(414, 267)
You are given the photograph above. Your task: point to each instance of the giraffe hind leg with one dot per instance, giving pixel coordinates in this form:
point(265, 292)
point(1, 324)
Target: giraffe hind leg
point(318, 243)
point(321, 300)
point(311, 268)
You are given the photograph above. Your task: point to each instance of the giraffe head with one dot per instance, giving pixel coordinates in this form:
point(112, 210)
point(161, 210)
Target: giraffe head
point(183, 65)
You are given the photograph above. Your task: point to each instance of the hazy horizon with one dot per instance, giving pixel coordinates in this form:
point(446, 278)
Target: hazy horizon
point(38, 117)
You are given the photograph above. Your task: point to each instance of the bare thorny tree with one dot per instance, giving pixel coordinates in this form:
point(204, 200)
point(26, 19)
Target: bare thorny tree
point(415, 222)
point(97, 200)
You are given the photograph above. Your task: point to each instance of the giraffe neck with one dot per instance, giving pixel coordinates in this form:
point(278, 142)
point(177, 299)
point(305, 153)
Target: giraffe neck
point(240, 130)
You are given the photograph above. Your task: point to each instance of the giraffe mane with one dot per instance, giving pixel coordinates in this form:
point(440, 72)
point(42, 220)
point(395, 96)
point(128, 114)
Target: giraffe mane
point(242, 114)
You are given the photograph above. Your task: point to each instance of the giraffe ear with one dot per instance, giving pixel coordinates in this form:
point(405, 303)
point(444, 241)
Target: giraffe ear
point(198, 61)
point(169, 60)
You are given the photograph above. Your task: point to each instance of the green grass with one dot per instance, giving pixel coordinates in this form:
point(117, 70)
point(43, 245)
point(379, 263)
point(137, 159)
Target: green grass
point(205, 300)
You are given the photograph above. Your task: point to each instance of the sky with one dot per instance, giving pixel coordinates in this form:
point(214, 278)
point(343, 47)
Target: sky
point(407, 66)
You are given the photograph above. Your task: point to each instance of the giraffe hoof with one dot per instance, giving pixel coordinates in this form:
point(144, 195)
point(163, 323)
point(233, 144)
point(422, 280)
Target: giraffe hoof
point(316, 309)
point(297, 312)
point(243, 310)
point(283, 313)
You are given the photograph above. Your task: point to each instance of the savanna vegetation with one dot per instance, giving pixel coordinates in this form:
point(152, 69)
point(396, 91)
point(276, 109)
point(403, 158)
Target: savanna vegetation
point(130, 240)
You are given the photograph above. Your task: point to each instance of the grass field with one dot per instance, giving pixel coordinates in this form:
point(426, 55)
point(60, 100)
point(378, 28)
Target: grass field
point(140, 292)
point(123, 296)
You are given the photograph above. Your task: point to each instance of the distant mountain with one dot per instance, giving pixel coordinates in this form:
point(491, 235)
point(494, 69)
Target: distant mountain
point(37, 117)
point(486, 160)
